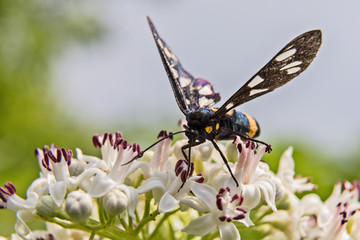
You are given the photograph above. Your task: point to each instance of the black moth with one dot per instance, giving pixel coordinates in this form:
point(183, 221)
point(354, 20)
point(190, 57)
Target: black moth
point(195, 96)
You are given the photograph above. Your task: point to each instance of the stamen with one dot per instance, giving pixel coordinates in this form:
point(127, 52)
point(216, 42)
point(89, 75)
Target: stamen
point(58, 155)
point(201, 179)
point(2, 197)
point(124, 144)
point(65, 154)
point(96, 141)
point(118, 135)
point(111, 139)
point(238, 217)
point(104, 138)
point(70, 155)
point(219, 203)
point(10, 187)
point(235, 197)
point(46, 165)
point(191, 169)
point(239, 147)
point(241, 209)
point(161, 134)
point(183, 176)
point(51, 156)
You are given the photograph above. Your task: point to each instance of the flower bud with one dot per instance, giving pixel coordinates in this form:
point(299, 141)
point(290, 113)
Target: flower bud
point(232, 152)
point(115, 202)
point(78, 206)
point(46, 206)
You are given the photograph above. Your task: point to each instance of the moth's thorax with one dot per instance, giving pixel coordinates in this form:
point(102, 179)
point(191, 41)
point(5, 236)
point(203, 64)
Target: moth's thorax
point(199, 119)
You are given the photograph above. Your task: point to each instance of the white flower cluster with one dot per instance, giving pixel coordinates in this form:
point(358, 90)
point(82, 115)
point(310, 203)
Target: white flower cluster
point(162, 195)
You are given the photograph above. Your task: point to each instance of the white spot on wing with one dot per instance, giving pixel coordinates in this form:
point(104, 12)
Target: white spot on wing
point(255, 81)
point(206, 90)
point(230, 105)
point(256, 91)
point(184, 81)
point(168, 53)
point(174, 73)
point(289, 47)
point(293, 70)
point(160, 44)
point(293, 64)
point(203, 101)
point(285, 55)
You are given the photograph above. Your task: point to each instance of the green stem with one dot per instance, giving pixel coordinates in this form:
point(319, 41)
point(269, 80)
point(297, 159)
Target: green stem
point(92, 235)
point(151, 217)
point(147, 208)
point(107, 232)
point(258, 220)
point(123, 223)
point(101, 212)
point(161, 222)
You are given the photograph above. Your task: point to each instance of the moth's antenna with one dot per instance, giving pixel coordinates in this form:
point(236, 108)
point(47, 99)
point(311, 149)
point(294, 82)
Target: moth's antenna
point(170, 135)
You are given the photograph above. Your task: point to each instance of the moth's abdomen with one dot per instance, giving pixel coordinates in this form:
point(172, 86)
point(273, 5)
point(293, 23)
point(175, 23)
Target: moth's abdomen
point(241, 123)
point(254, 128)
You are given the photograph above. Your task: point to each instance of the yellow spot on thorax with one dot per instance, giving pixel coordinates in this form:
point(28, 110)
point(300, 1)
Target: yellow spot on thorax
point(208, 129)
point(252, 124)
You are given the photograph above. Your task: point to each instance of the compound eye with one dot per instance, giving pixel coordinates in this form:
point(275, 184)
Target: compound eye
point(208, 129)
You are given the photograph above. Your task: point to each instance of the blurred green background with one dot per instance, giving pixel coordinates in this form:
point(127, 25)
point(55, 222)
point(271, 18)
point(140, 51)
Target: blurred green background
point(33, 34)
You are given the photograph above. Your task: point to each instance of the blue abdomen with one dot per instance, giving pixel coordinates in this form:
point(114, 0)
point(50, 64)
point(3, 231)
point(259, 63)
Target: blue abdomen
point(241, 123)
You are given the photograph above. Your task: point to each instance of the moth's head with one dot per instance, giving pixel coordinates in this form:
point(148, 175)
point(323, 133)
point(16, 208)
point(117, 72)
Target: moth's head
point(201, 124)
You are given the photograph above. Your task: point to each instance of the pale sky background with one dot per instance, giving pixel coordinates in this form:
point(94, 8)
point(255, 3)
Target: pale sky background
point(121, 78)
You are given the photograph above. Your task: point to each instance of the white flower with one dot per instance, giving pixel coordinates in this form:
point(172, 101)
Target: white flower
point(286, 174)
point(223, 207)
point(103, 175)
point(159, 160)
point(253, 176)
point(170, 187)
point(25, 209)
point(310, 218)
point(54, 164)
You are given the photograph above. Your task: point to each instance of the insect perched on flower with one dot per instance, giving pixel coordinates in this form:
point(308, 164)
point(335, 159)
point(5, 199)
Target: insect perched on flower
point(195, 96)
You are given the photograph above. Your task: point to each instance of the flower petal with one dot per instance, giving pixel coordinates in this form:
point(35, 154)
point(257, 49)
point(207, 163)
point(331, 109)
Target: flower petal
point(57, 190)
point(252, 196)
point(228, 231)
point(100, 185)
point(205, 193)
point(150, 184)
point(133, 198)
point(195, 203)
point(20, 227)
point(201, 225)
point(286, 161)
point(167, 203)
